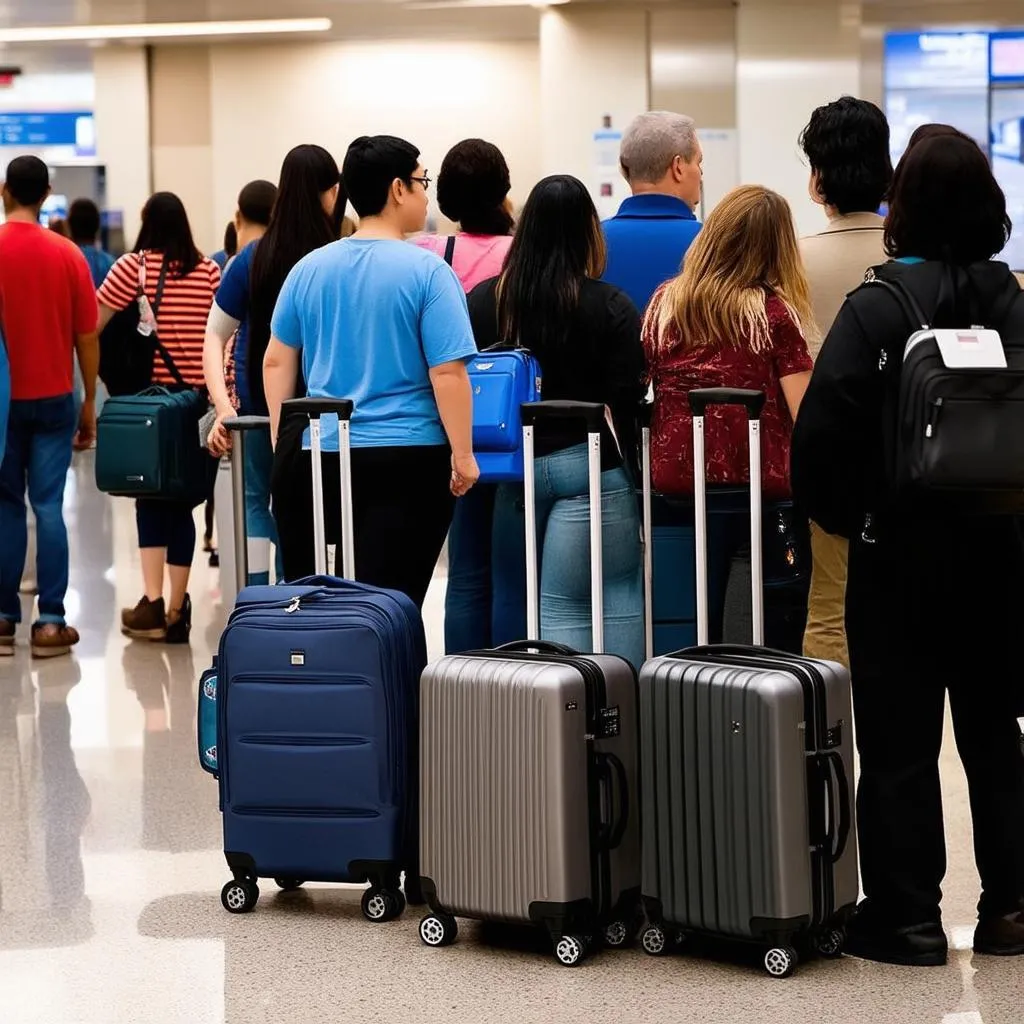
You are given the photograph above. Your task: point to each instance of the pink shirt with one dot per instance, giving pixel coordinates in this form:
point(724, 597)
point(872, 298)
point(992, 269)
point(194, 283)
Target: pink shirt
point(476, 258)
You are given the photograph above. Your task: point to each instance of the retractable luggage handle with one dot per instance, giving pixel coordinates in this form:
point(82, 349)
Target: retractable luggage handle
point(593, 415)
point(314, 409)
point(753, 401)
point(645, 416)
point(241, 425)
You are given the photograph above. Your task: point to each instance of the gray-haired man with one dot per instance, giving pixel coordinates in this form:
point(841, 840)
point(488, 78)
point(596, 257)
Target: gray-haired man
point(661, 159)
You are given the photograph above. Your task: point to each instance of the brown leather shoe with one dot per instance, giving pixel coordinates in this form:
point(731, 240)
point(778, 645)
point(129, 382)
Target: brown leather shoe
point(146, 621)
point(1000, 936)
point(7, 631)
point(50, 640)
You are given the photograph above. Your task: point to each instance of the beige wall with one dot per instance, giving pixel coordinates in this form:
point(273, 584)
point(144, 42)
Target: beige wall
point(180, 125)
point(593, 63)
point(122, 130)
point(433, 94)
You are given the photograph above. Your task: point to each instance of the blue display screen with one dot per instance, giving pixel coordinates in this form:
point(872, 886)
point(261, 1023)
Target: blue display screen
point(61, 128)
point(928, 60)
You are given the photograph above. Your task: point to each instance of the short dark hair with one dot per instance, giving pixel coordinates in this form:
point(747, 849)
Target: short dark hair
point(84, 221)
point(230, 239)
point(946, 204)
point(372, 164)
point(847, 145)
point(256, 201)
point(472, 187)
point(28, 180)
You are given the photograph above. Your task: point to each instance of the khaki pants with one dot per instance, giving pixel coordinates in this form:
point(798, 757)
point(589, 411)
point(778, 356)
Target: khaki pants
point(825, 636)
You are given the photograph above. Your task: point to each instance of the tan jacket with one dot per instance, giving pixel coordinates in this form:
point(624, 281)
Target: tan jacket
point(836, 261)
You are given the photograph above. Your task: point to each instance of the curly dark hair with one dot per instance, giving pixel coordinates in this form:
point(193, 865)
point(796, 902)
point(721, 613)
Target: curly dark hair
point(472, 187)
point(847, 145)
point(946, 204)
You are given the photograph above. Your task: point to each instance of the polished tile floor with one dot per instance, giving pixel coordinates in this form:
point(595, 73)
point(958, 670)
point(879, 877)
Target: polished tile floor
point(110, 869)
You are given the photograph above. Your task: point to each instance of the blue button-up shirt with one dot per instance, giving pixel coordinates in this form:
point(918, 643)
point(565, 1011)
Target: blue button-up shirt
point(647, 240)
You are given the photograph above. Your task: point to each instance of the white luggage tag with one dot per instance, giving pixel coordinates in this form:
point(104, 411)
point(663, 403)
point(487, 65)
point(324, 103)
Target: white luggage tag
point(147, 319)
point(975, 348)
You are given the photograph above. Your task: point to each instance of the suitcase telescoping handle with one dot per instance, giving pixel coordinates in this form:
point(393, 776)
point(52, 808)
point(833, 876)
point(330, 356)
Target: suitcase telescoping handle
point(753, 401)
point(240, 426)
point(593, 415)
point(314, 409)
point(645, 416)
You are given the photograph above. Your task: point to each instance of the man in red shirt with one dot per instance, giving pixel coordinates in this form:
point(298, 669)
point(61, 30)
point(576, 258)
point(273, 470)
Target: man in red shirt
point(48, 311)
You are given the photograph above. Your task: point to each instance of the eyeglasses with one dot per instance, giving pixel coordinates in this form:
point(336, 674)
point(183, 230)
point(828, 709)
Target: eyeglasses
point(424, 181)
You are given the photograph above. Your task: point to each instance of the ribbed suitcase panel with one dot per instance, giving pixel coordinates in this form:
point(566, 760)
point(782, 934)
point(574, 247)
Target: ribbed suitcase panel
point(504, 786)
point(724, 795)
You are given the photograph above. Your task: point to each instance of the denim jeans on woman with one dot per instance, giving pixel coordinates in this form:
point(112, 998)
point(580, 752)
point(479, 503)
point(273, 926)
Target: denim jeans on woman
point(563, 544)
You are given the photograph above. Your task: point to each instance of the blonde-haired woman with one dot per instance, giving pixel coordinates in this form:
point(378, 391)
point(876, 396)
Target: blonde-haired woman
point(737, 316)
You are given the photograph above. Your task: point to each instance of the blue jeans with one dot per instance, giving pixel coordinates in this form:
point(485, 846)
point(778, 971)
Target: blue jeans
point(259, 523)
point(467, 603)
point(36, 459)
point(563, 543)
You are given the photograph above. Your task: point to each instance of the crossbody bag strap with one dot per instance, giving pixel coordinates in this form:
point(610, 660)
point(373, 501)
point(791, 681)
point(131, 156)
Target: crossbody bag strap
point(164, 354)
point(449, 250)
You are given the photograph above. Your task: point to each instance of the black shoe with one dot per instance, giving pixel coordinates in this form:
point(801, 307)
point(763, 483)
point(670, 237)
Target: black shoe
point(914, 945)
point(179, 624)
point(1000, 936)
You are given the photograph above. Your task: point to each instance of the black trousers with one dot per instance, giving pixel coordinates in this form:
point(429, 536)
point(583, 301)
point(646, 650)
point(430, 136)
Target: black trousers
point(933, 608)
point(402, 508)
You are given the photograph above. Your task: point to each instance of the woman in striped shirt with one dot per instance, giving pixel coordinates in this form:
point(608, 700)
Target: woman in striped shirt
point(166, 529)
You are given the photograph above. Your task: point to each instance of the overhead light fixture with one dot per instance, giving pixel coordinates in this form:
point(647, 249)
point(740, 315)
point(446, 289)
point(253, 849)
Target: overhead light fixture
point(162, 30)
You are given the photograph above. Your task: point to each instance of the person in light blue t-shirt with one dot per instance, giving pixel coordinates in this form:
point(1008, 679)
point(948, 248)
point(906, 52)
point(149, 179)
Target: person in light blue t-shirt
point(385, 324)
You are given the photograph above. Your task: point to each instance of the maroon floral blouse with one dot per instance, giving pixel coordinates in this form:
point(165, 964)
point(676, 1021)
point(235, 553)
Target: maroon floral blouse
point(725, 429)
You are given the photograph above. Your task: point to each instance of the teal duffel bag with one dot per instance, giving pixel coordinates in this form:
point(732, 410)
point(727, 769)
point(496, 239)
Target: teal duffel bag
point(147, 445)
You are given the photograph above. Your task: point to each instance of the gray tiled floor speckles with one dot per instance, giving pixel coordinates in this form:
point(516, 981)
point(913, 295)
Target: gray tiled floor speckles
point(110, 868)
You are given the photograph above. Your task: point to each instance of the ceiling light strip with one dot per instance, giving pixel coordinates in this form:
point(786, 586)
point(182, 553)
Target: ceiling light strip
point(161, 30)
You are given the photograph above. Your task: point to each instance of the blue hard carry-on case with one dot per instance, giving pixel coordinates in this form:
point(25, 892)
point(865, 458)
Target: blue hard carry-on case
point(502, 380)
point(316, 723)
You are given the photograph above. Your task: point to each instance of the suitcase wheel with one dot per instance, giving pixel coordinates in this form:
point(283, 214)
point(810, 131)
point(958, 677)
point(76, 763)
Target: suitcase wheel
point(780, 961)
point(438, 930)
point(830, 942)
point(570, 950)
point(382, 904)
point(239, 896)
point(289, 884)
point(655, 941)
point(617, 934)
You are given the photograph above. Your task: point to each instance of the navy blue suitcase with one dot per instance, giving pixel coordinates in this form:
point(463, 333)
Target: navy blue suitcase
point(317, 747)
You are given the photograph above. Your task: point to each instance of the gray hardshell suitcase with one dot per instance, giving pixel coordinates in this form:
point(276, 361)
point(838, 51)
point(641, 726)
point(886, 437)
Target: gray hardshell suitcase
point(528, 769)
point(747, 769)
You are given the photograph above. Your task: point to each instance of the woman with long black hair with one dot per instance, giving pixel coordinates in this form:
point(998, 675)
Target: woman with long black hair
point(165, 251)
point(303, 220)
point(586, 336)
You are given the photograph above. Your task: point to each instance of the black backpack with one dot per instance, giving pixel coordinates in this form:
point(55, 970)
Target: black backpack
point(954, 418)
point(126, 357)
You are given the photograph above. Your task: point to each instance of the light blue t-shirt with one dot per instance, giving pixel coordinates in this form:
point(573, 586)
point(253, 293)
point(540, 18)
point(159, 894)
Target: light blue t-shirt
point(371, 317)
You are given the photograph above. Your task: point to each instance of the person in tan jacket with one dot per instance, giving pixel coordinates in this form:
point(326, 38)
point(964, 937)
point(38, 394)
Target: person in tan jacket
point(847, 146)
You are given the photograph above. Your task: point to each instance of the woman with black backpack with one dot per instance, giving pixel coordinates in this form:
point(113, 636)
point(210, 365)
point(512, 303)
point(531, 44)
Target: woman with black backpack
point(935, 599)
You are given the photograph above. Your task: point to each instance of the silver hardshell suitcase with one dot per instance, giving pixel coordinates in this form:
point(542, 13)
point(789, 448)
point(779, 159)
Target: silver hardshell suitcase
point(528, 769)
point(747, 770)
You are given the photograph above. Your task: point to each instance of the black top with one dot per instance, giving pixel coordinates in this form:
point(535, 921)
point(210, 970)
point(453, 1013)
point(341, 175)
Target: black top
point(838, 456)
point(601, 360)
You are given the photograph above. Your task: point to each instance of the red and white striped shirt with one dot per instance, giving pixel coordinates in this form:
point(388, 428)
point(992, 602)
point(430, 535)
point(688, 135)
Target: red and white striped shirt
point(181, 318)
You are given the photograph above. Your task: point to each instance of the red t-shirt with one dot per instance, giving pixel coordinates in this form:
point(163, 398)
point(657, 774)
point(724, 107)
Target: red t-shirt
point(725, 428)
point(46, 298)
point(181, 316)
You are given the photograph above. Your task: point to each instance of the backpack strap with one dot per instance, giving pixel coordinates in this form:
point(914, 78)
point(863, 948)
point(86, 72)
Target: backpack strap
point(449, 250)
point(168, 361)
point(899, 291)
